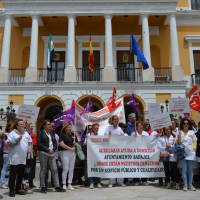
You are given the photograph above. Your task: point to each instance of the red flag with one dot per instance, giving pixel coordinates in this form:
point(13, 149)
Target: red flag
point(194, 99)
point(111, 102)
point(91, 59)
point(73, 104)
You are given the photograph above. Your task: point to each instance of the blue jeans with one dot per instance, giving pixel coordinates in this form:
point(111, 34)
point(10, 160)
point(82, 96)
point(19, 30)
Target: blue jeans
point(92, 181)
point(187, 169)
point(6, 167)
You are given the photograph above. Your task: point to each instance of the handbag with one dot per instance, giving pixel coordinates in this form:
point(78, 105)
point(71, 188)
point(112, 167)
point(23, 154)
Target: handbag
point(27, 170)
point(79, 152)
point(164, 157)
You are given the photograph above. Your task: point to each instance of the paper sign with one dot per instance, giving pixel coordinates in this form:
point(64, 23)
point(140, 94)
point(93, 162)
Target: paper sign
point(179, 106)
point(160, 121)
point(154, 109)
point(28, 112)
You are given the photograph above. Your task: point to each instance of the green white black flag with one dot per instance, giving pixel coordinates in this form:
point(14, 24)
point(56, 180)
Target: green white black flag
point(51, 54)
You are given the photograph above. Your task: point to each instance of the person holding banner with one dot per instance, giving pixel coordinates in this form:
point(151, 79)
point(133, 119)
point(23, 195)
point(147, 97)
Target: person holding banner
point(68, 142)
point(46, 147)
point(131, 124)
point(166, 141)
point(114, 130)
point(147, 128)
point(95, 128)
point(140, 132)
point(188, 138)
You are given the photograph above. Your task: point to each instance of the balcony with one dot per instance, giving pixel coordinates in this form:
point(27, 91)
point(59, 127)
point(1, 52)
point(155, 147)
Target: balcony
point(162, 74)
point(195, 4)
point(53, 76)
point(17, 75)
point(195, 79)
point(129, 74)
point(84, 74)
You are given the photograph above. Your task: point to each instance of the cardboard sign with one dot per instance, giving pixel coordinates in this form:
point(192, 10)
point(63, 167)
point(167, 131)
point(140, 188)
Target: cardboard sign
point(179, 106)
point(154, 109)
point(160, 121)
point(28, 112)
point(123, 157)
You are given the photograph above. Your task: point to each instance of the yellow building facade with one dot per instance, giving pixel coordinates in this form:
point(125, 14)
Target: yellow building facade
point(167, 31)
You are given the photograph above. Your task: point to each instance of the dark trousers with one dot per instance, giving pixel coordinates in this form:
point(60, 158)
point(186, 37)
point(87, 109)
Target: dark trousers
point(174, 170)
point(16, 171)
point(138, 180)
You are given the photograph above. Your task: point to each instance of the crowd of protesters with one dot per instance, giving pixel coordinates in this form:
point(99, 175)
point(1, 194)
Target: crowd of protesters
point(21, 147)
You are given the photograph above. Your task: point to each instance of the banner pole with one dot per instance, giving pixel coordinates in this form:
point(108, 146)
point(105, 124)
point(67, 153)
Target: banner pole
point(75, 123)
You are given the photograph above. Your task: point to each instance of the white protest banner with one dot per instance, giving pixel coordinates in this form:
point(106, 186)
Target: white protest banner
point(160, 121)
point(179, 106)
point(123, 157)
point(154, 109)
point(28, 112)
point(103, 115)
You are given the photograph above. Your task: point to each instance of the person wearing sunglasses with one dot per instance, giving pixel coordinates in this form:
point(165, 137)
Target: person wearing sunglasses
point(147, 128)
point(188, 138)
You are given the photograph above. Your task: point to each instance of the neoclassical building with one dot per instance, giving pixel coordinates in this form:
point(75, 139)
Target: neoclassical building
point(168, 32)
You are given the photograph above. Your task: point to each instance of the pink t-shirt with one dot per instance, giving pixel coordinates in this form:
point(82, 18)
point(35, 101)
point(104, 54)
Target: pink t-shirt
point(6, 145)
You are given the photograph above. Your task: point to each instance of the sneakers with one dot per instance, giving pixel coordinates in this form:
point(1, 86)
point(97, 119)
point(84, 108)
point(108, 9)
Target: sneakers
point(121, 184)
point(192, 188)
point(65, 187)
point(185, 188)
point(91, 186)
point(4, 187)
point(70, 187)
point(137, 183)
point(99, 185)
point(110, 185)
point(168, 185)
point(145, 183)
point(177, 186)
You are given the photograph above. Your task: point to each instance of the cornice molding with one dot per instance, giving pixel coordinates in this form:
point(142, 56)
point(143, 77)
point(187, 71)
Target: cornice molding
point(193, 38)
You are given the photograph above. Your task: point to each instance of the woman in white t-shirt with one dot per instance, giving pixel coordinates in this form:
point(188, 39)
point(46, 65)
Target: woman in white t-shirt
point(114, 130)
point(188, 138)
point(174, 128)
point(140, 132)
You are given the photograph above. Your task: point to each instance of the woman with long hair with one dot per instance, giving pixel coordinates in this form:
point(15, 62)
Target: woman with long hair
point(147, 128)
point(6, 164)
point(47, 145)
point(68, 142)
point(188, 138)
point(115, 130)
point(19, 143)
point(166, 141)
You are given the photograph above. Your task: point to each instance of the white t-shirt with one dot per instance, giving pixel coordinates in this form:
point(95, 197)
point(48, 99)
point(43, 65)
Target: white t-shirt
point(115, 132)
point(162, 145)
point(187, 141)
point(144, 133)
point(18, 153)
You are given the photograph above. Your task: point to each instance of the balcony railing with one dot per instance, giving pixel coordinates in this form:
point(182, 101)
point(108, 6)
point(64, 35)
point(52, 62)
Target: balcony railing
point(195, 6)
point(84, 74)
point(129, 74)
point(55, 75)
point(17, 75)
point(195, 79)
point(162, 74)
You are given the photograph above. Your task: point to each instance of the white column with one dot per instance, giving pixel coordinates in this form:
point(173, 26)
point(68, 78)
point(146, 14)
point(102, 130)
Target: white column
point(148, 74)
point(176, 71)
point(70, 71)
point(5, 55)
point(109, 71)
point(31, 71)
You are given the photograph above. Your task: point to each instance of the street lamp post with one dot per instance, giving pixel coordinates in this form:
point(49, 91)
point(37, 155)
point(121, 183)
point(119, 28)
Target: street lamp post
point(162, 108)
point(10, 114)
point(167, 103)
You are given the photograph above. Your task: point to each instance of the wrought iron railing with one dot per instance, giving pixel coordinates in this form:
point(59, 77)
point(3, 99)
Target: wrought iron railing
point(84, 74)
point(162, 74)
point(129, 74)
point(195, 6)
point(17, 75)
point(55, 75)
point(195, 79)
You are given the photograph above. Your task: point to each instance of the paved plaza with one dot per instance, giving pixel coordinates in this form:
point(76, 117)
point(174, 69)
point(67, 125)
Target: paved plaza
point(130, 192)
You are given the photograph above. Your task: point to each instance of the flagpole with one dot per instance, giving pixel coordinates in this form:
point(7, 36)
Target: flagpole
point(75, 123)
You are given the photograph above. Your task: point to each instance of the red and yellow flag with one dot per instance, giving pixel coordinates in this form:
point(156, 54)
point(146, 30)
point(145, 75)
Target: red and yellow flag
point(91, 59)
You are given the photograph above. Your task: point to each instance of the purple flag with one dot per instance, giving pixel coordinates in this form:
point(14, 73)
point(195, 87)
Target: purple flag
point(88, 109)
point(133, 103)
point(64, 117)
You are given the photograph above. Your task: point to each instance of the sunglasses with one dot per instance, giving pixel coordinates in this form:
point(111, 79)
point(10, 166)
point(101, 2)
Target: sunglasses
point(185, 123)
point(90, 129)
